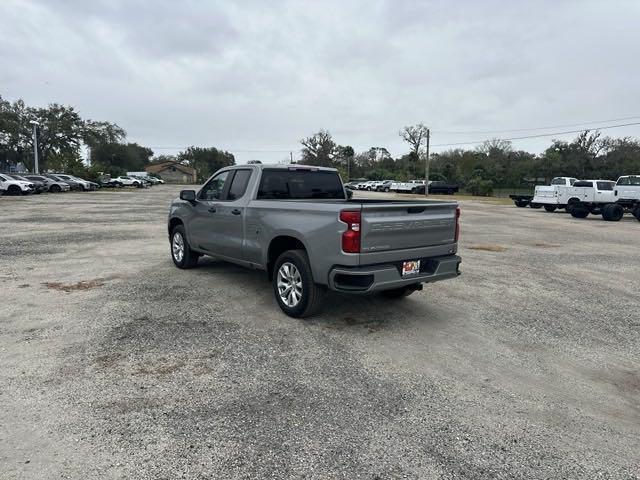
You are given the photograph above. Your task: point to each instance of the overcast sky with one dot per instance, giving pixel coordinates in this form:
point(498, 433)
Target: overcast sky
point(260, 75)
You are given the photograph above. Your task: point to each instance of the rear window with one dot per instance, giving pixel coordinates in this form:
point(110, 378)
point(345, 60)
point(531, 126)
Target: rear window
point(605, 185)
point(299, 185)
point(583, 183)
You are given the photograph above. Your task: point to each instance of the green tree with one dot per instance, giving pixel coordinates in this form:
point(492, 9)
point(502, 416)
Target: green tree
point(319, 149)
point(206, 160)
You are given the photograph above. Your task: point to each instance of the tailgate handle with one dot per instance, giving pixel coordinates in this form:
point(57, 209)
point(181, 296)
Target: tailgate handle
point(415, 209)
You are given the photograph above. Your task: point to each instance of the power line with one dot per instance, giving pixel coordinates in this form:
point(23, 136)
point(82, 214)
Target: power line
point(550, 134)
point(566, 125)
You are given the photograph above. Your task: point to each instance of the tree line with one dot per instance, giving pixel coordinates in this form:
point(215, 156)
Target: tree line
point(493, 164)
point(62, 135)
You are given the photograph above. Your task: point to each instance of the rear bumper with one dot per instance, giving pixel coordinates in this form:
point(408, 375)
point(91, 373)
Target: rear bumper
point(374, 278)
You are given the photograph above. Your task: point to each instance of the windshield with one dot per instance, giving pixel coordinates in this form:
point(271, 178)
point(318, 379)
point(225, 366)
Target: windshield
point(300, 184)
point(632, 180)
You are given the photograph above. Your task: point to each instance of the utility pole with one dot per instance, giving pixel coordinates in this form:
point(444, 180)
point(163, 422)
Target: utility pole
point(36, 168)
point(290, 157)
point(426, 167)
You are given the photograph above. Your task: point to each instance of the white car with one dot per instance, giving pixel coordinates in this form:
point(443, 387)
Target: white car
point(11, 186)
point(127, 181)
point(412, 186)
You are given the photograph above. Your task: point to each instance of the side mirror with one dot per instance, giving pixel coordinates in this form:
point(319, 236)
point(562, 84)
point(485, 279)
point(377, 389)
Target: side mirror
point(188, 195)
point(349, 193)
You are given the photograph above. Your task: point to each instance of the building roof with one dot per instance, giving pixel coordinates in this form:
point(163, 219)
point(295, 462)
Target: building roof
point(161, 166)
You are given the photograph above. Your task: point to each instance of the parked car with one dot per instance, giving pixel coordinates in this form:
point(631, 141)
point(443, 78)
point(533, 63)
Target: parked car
point(39, 186)
point(51, 184)
point(73, 185)
point(384, 186)
point(127, 181)
point(297, 224)
point(11, 186)
point(71, 180)
point(437, 186)
point(412, 186)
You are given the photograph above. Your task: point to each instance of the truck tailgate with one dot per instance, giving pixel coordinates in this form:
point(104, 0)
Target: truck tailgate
point(386, 227)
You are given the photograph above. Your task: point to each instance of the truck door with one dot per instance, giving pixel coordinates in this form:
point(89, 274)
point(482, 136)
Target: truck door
point(230, 215)
point(204, 227)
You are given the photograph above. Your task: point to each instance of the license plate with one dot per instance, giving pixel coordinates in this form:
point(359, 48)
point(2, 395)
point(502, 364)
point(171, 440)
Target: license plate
point(409, 268)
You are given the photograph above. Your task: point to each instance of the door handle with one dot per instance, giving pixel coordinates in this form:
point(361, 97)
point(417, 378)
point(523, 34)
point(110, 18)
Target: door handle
point(236, 211)
point(212, 209)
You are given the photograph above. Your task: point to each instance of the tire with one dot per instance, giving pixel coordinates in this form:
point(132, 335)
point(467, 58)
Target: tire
point(521, 203)
point(386, 189)
point(579, 212)
point(636, 212)
point(535, 205)
point(612, 212)
point(550, 208)
point(181, 253)
point(55, 188)
point(14, 190)
point(292, 273)
point(414, 190)
point(397, 293)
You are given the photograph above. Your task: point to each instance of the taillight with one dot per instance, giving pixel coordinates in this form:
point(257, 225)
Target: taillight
point(351, 237)
point(457, 236)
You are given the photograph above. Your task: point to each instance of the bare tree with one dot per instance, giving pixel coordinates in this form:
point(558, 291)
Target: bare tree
point(416, 137)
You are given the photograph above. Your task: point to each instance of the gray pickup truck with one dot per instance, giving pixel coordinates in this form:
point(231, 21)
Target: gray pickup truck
point(299, 225)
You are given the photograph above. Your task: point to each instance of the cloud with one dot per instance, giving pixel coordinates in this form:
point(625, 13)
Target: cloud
point(261, 75)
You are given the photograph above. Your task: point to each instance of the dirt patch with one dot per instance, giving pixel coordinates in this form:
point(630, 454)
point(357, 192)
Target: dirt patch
point(74, 287)
point(24, 285)
point(488, 248)
point(161, 369)
point(546, 245)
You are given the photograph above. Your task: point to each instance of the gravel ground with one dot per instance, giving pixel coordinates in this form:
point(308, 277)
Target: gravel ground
point(115, 364)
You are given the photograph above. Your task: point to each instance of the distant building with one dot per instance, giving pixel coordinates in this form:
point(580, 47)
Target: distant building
point(172, 171)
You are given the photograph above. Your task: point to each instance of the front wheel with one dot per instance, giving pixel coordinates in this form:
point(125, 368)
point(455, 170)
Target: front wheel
point(550, 208)
point(296, 293)
point(535, 205)
point(181, 253)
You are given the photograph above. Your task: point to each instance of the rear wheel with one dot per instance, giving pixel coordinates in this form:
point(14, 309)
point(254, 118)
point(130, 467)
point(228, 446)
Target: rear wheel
point(535, 205)
point(636, 212)
point(550, 208)
point(55, 188)
point(296, 293)
point(181, 253)
point(578, 211)
point(521, 203)
point(612, 212)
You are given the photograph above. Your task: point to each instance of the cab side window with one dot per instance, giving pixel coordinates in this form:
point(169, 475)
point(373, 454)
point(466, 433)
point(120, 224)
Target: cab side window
point(239, 184)
point(214, 188)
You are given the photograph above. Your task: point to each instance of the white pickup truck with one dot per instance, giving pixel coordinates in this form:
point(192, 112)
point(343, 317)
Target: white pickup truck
point(587, 196)
point(545, 195)
point(412, 186)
